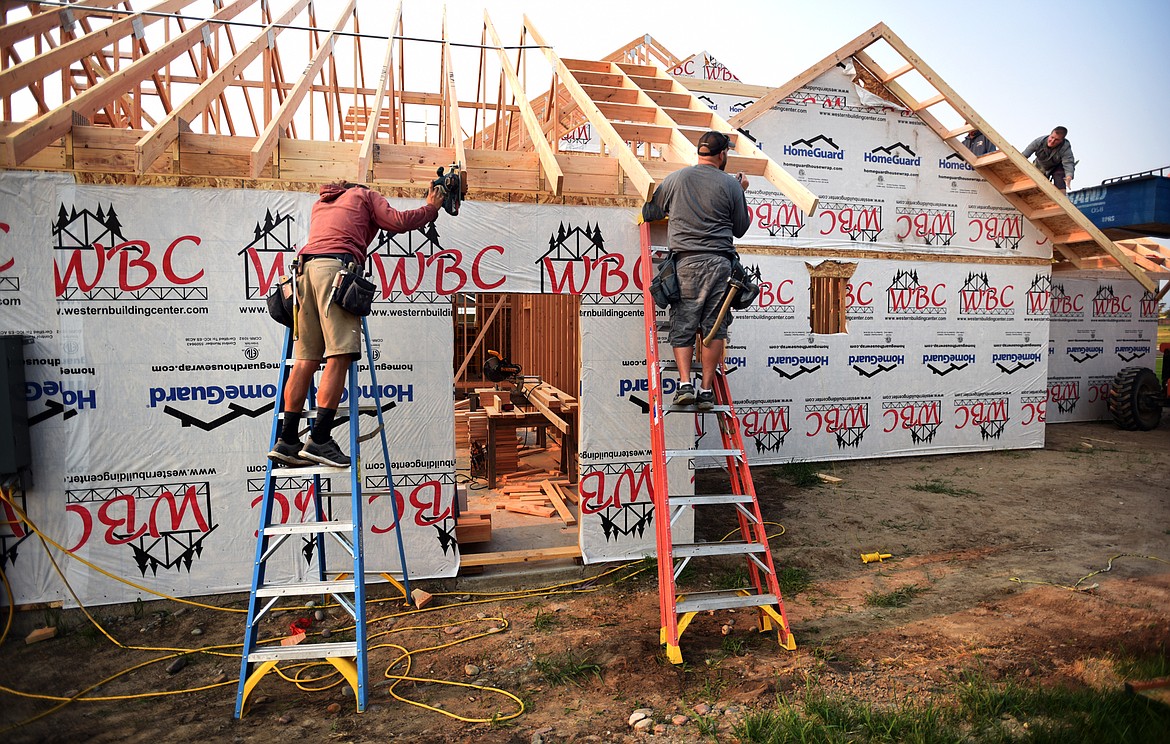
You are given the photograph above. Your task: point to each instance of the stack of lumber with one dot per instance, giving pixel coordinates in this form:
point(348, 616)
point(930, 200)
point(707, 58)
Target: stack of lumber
point(507, 452)
point(477, 428)
point(543, 498)
point(462, 429)
point(473, 527)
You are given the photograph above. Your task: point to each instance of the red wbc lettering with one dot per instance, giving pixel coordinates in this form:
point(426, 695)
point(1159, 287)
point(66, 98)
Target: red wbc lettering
point(600, 491)
point(1100, 391)
point(917, 298)
point(833, 420)
point(1038, 302)
point(981, 412)
point(1065, 304)
point(686, 69)
point(574, 276)
point(910, 416)
point(996, 228)
point(991, 298)
point(12, 261)
point(924, 224)
point(427, 498)
point(120, 517)
point(1112, 305)
point(850, 221)
point(768, 297)
point(11, 520)
point(1034, 412)
point(75, 266)
point(768, 216)
point(398, 508)
point(476, 275)
point(860, 295)
point(406, 274)
point(756, 423)
point(265, 279)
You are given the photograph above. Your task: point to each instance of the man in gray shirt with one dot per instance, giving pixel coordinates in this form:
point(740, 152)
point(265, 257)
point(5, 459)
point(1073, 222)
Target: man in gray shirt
point(1054, 157)
point(707, 211)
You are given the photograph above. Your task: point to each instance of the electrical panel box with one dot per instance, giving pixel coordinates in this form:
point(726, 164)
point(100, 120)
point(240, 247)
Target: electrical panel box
point(15, 452)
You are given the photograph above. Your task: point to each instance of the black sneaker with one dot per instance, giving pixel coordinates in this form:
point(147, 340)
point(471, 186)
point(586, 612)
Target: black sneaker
point(684, 395)
point(288, 453)
point(705, 400)
point(327, 453)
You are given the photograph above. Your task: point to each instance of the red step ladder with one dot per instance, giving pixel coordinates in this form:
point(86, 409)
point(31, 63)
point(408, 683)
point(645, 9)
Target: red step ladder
point(678, 607)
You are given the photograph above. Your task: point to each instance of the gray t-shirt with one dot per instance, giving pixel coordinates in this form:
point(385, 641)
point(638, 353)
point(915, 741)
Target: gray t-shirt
point(1049, 158)
point(706, 206)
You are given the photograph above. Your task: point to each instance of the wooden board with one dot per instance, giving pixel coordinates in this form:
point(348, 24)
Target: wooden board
point(558, 503)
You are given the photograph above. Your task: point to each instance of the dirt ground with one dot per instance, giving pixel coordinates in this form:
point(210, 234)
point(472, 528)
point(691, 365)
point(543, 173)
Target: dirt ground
point(990, 542)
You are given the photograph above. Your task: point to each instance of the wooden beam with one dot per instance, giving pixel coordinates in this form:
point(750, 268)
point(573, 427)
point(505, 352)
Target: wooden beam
point(268, 139)
point(503, 558)
point(366, 153)
point(479, 337)
point(37, 134)
point(64, 56)
point(548, 159)
point(776, 95)
point(617, 147)
point(454, 127)
point(923, 105)
point(156, 141)
point(48, 20)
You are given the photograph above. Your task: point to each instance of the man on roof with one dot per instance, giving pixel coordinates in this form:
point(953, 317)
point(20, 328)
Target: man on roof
point(1054, 157)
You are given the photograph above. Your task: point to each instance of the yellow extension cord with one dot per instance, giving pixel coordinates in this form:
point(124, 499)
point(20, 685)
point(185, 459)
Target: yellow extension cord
point(298, 671)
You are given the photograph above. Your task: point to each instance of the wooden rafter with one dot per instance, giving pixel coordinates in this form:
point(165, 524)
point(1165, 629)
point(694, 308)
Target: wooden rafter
point(626, 158)
point(453, 126)
point(156, 141)
point(35, 135)
point(1071, 233)
point(553, 174)
point(385, 81)
point(268, 139)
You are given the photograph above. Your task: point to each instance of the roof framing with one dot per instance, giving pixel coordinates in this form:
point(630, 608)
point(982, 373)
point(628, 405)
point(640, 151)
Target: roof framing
point(97, 87)
point(1075, 239)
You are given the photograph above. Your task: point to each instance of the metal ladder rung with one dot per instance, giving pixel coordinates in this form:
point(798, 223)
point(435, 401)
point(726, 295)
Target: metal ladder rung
point(706, 499)
point(692, 453)
point(694, 550)
point(307, 471)
point(304, 651)
point(305, 588)
point(693, 409)
point(302, 528)
point(722, 600)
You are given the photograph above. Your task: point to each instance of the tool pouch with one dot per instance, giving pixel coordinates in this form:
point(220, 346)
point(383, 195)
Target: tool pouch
point(749, 284)
point(280, 301)
point(664, 286)
point(352, 292)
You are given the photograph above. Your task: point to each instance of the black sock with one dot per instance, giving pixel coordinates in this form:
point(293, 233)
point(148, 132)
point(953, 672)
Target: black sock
point(323, 425)
point(290, 434)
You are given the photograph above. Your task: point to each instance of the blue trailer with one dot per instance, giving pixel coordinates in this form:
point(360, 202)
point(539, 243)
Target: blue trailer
point(1134, 206)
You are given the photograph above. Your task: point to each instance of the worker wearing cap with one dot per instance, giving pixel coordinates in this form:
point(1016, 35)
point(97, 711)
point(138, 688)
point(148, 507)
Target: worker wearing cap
point(707, 211)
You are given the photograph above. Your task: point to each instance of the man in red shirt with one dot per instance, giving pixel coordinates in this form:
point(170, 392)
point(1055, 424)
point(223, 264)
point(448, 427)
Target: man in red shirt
point(343, 224)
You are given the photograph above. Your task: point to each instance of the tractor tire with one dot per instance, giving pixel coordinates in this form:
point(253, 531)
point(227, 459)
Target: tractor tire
point(1135, 399)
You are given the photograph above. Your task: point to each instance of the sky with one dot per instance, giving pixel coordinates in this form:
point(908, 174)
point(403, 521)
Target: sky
point(1097, 68)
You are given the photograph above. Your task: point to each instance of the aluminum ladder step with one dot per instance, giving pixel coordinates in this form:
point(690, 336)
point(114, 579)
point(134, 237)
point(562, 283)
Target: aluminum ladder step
point(693, 409)
point(306, 588)
point(304, 528)
point(696, 550)
point(307, 471)
point(722, 600)
point(304, 651)
point(692, 453)
point(708, 499)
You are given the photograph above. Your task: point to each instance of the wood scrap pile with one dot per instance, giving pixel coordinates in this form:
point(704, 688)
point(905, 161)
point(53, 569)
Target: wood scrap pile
point(539, 498)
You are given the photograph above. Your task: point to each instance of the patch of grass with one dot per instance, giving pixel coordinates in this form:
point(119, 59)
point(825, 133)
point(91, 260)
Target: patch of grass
point(544, 621)
point(898, 598)
point(708, 726)
point(735, 578)
point(1151, 666)
point(801, 474)
point(564, 668)
point(733, 646)
point(935, 485)
point(793, 581)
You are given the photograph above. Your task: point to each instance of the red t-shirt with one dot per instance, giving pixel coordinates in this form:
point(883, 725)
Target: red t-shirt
point(346, 221)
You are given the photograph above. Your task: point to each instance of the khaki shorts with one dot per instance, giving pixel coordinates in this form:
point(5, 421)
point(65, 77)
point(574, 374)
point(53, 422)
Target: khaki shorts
point(323, 329)
point(702, 279)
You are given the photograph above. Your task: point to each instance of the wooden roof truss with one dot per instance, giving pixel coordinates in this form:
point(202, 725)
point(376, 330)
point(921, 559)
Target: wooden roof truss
point(198, 88)
point(1075, 240)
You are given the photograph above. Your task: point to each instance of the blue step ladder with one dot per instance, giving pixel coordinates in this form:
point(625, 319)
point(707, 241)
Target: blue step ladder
point(347, 589)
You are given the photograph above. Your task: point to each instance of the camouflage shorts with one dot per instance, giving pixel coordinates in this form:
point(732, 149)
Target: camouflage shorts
point(702, 279)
